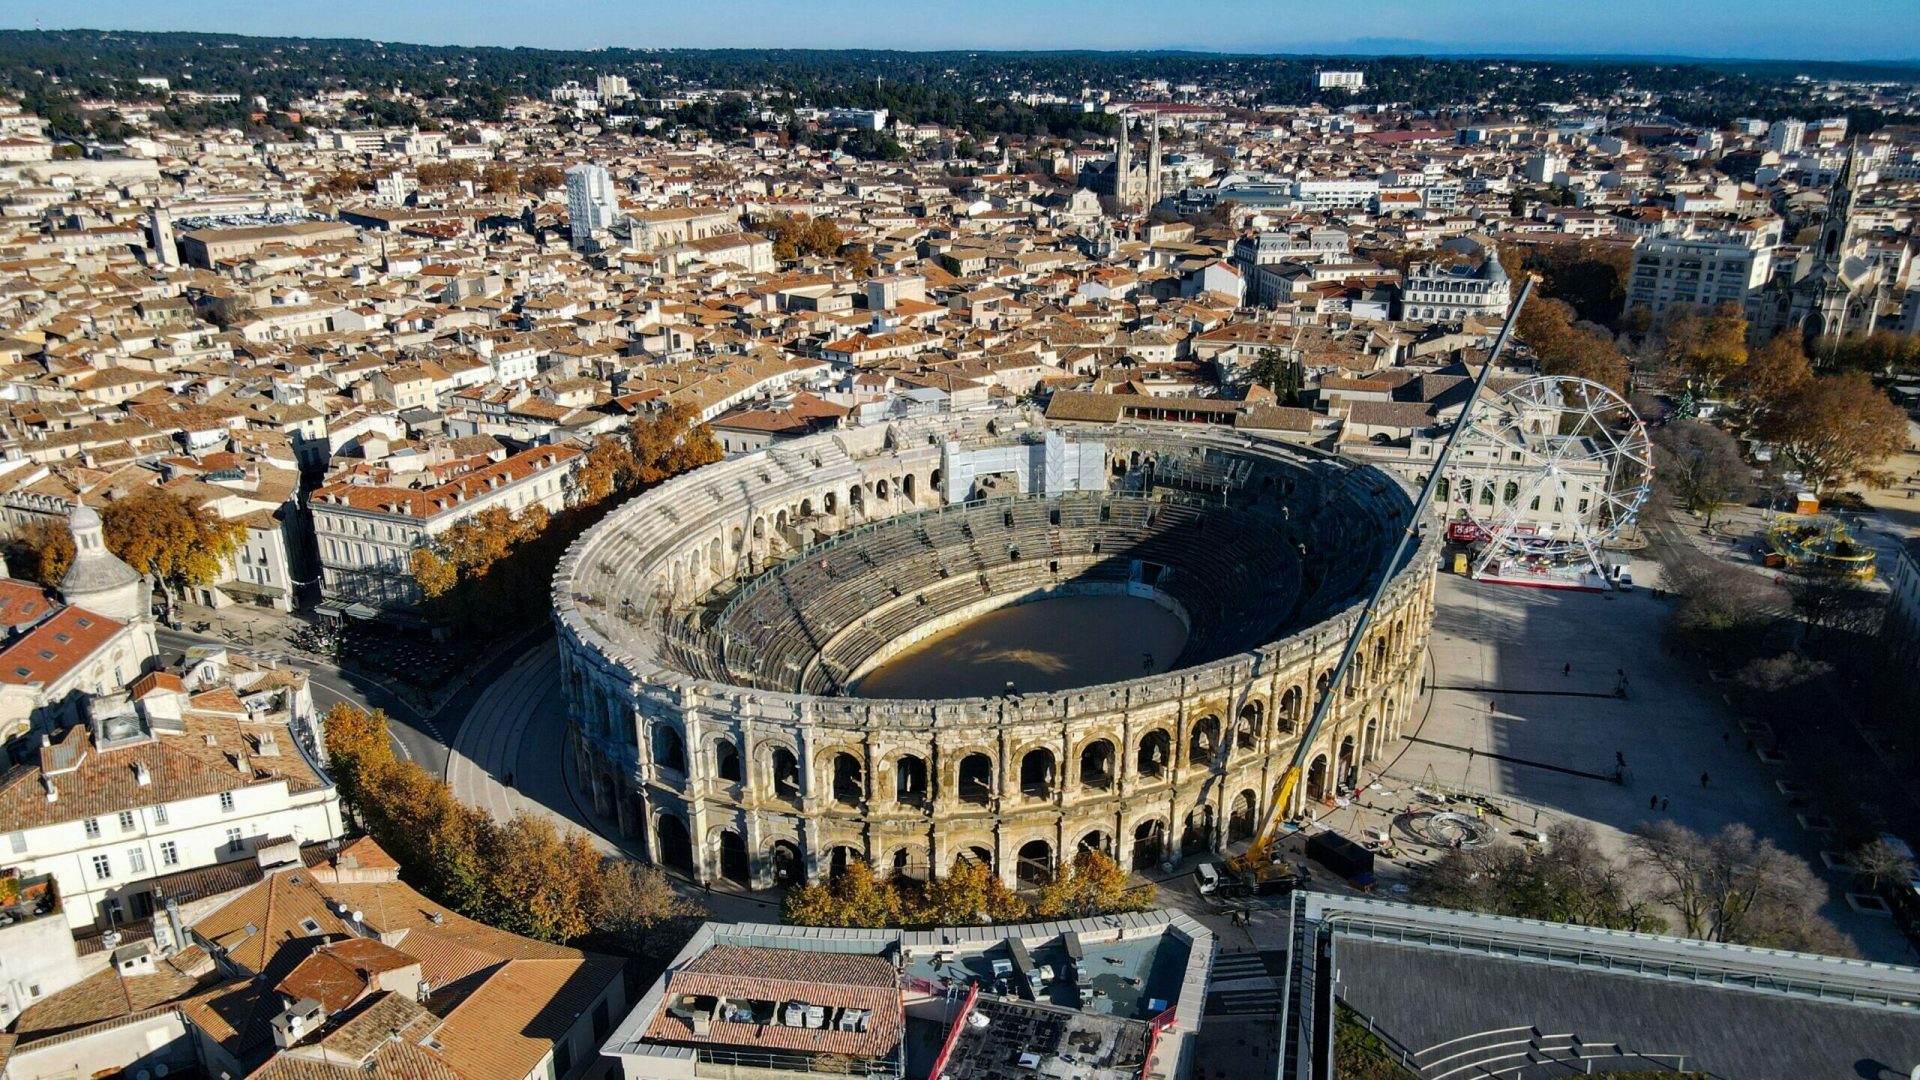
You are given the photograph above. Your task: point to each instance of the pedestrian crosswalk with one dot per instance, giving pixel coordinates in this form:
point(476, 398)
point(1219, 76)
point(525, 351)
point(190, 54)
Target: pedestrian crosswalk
point(1246, 983)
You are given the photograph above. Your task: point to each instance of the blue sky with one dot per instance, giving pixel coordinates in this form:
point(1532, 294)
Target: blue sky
point(1789, 29)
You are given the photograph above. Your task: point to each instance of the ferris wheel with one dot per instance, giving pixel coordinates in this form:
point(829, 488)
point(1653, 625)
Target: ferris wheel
point(1545, 474)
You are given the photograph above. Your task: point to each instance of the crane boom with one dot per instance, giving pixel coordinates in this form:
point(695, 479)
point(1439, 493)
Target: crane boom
point(1256, 855)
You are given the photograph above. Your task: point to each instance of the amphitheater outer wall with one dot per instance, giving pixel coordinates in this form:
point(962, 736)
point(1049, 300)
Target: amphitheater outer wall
point(755, 786)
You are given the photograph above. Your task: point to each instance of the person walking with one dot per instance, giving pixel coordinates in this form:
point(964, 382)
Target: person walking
point(1568, 670)
point(1703, 779)
point(1653, 802)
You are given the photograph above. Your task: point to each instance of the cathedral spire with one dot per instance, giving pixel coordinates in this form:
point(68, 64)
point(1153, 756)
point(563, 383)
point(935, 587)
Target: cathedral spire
point(1836, 234)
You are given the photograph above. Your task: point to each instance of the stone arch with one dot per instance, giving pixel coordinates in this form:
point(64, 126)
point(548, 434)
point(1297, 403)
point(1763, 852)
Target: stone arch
point(839, 858)
point(1196, 831)
point(1154, 756)
point(726, 759)
point(783, 772)
point(1347, 768)
point(831, 502)
point(1203, 742)
point(1097, 761)
point(1039, 773)
point(669, 751)
point(907, 488)
point(1034, 863)
point(1094, 840)
point(848, 777)
point(909, 861)
point(1241, 820)
point(673, 847)
point(1149, 843)
point(780, 521)
point(1370, 744)
point(1317, 779)
point(1246, 733)
point(713, 556)
point(881, 488)
point(1287, 716)
point(730, 857)
point(910, 779)
point(783, 857)
point(806, 509)
point(974, 778)
point(856, 500)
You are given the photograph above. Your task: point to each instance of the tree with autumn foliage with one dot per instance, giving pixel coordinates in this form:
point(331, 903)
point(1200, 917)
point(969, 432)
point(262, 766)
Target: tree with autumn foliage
point(855, 897)
point(41, 552)
point(521, 875)
point(1092, 884)
point(1837, 430)
point(1564, 347)
point(164, 536)
point(1708, 348)
point(1774, 375)
point(969, 892)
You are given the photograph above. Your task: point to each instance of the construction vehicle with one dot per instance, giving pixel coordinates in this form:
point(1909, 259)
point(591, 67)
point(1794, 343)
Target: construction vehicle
point(1259, 854)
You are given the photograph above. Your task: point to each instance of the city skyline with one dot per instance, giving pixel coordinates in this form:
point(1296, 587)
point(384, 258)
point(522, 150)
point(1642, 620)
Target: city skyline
point(1875, 31)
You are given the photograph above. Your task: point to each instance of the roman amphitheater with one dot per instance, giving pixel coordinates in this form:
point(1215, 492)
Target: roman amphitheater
point(720, 637)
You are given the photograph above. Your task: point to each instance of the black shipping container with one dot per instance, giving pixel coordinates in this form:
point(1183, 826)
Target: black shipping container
point(1342, 856)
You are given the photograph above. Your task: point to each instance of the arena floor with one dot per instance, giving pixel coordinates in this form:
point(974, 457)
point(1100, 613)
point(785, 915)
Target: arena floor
point(1052, 644)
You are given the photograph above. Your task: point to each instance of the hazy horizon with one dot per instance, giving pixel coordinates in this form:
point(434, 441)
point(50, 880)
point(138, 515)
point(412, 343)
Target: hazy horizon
point(1874, 31)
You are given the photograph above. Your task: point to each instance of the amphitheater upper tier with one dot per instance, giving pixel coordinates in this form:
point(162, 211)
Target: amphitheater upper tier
point(713, 632)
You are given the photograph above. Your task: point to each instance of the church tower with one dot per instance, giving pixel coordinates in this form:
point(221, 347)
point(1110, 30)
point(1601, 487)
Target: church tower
point(1153, 163)
point(1836, 234)
point(1123, 168)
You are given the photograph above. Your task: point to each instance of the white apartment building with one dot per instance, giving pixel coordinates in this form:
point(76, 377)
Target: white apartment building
point(160, 780)
point(593, 206)
point(1354, 81)
point(1335, 194)
point(366, 533)
point(1787, 136)
point(1669, 272)
point(611, 87)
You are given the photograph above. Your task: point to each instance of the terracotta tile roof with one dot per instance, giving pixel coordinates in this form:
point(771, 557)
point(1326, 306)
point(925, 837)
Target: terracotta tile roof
point(507, 1025)
point(56, 646)
point(452, 495)
point(750, 973)
point(178, 766)
point(102, 997)
point(339, 974)
point(23, 603)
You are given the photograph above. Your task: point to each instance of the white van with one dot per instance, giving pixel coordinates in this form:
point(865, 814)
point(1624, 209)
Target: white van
point(1208, 876)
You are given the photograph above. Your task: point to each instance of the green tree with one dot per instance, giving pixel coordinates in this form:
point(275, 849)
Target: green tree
point(1278, 373)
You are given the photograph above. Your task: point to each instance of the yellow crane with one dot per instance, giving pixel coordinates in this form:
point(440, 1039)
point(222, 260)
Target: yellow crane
point(1259, 853)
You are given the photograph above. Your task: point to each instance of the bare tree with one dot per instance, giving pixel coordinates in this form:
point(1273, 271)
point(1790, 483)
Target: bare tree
point(1879, 861)
point(1702, 465)
point(1830, 603)
point(1571, 880)
point(1738, 888)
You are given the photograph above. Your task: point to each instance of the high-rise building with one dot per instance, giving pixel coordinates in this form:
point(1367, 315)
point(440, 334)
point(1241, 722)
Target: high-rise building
point(592, 204)
point(1354, 81)
point(160, 238)
point(1786, 136)
point(612, 87)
